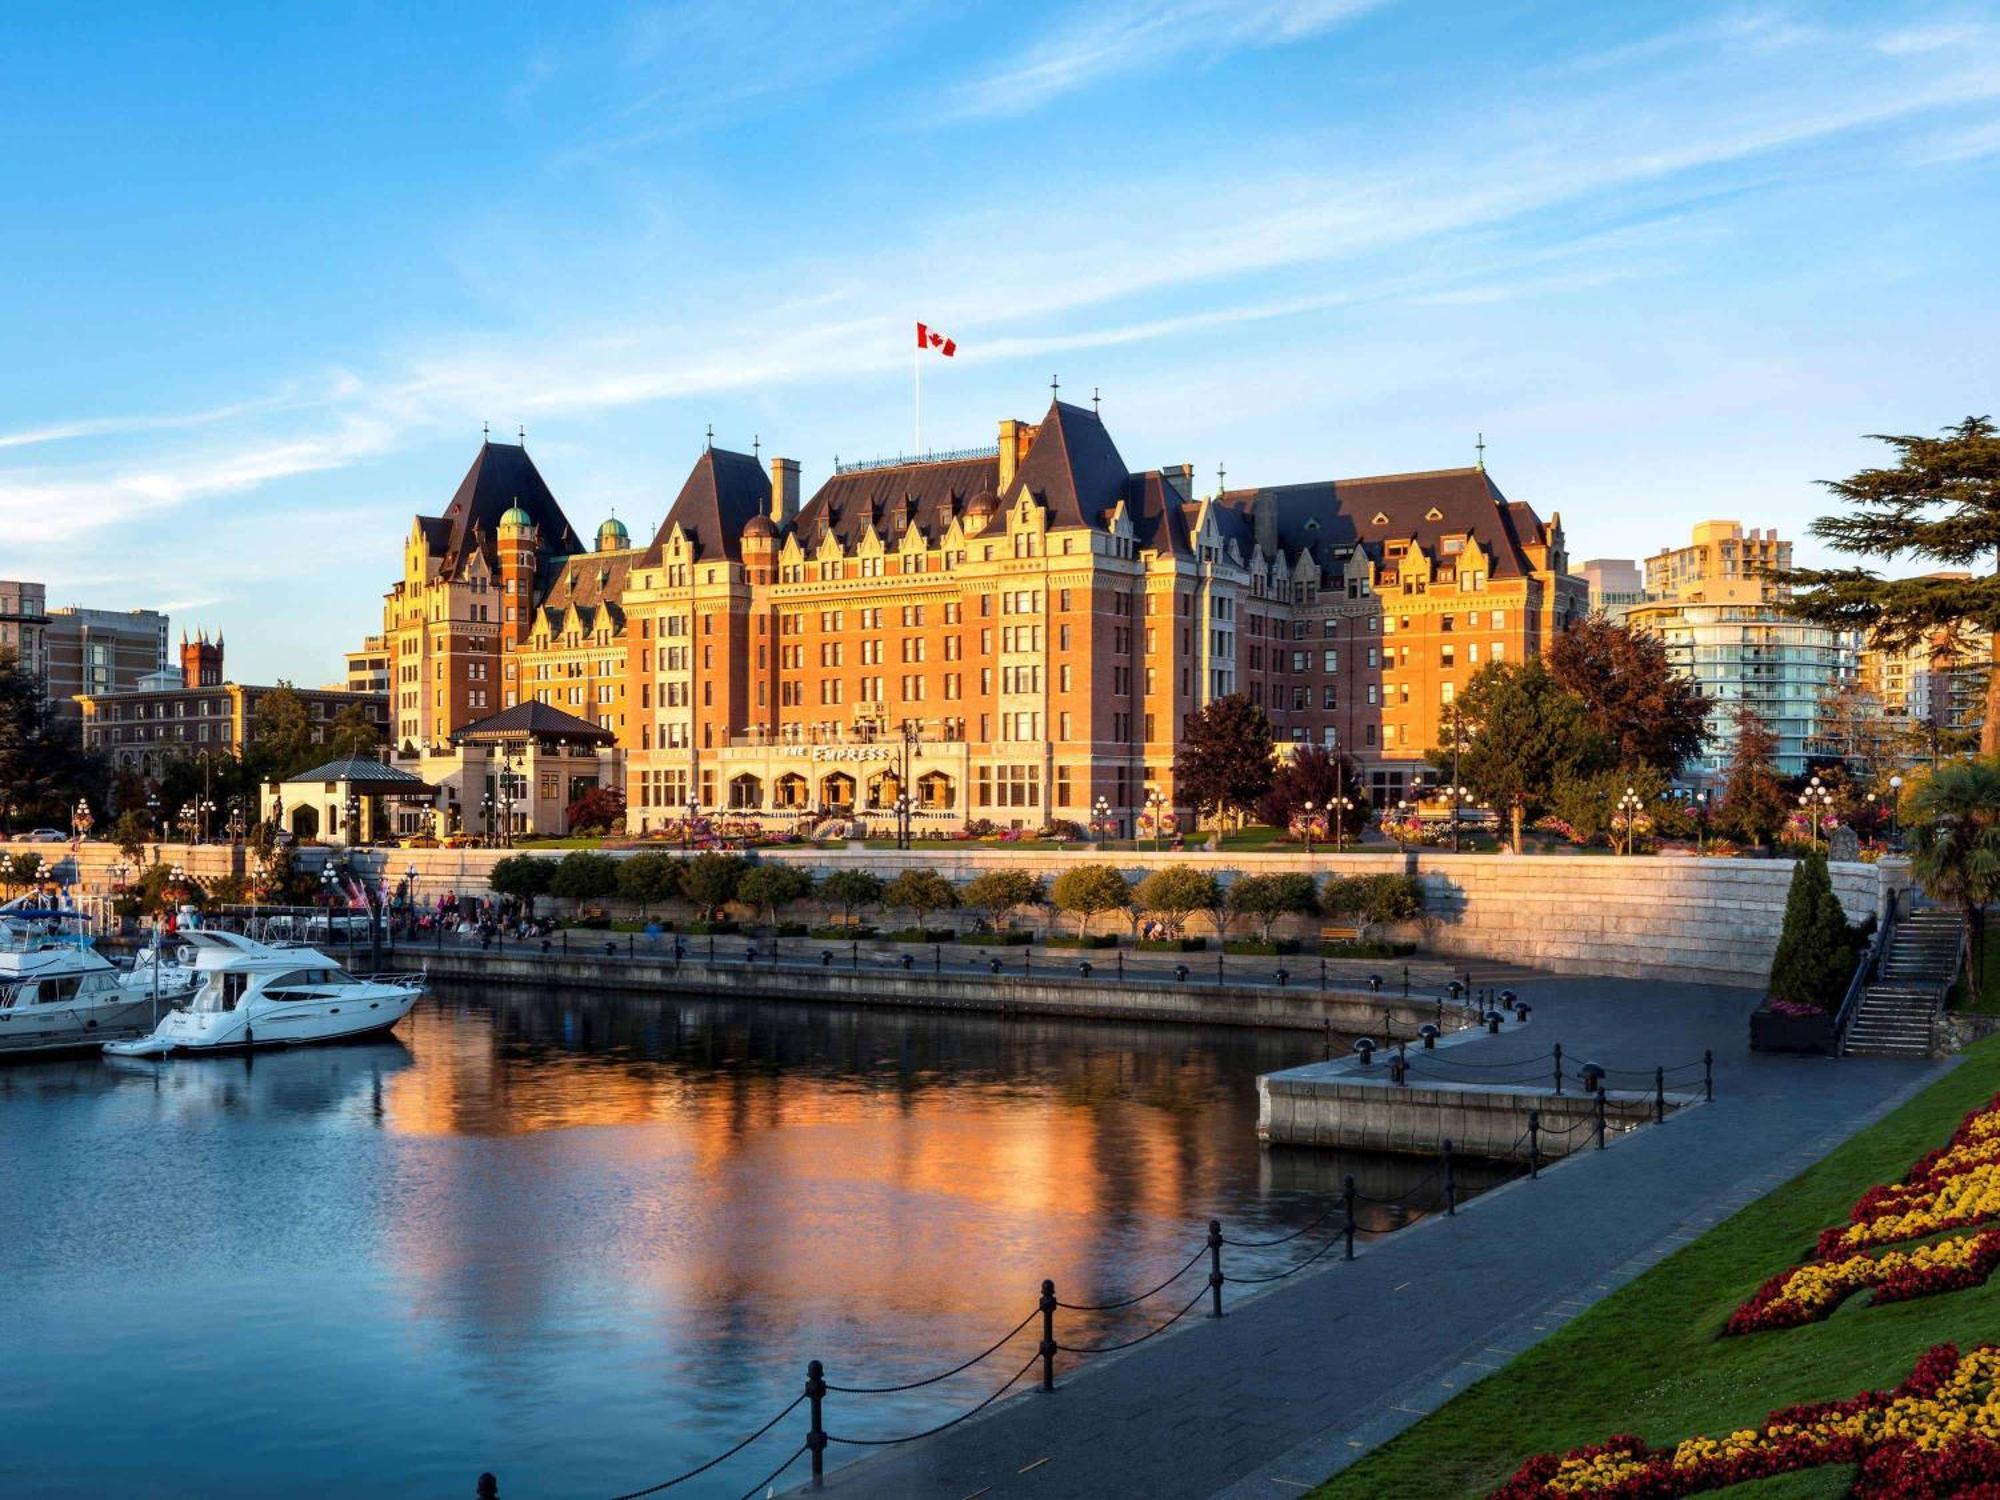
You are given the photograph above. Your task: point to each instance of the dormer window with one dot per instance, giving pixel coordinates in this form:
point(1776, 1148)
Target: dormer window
point(1433, 514)
point(1451, 546)
point(1380, 519)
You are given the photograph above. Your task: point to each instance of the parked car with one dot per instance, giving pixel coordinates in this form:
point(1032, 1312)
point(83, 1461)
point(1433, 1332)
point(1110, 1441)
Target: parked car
point(46, 836)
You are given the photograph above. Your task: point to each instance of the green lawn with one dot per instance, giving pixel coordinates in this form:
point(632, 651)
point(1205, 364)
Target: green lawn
point(1647, 1359)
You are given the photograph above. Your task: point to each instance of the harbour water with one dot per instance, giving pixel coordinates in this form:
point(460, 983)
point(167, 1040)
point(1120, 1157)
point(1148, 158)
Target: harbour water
point(587, 1243)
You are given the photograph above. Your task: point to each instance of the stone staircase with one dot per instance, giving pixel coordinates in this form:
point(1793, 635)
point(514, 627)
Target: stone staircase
point(1897, 1012)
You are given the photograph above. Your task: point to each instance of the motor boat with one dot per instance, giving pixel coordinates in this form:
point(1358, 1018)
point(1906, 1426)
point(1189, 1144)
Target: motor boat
point(251, 994)
point(58, 993)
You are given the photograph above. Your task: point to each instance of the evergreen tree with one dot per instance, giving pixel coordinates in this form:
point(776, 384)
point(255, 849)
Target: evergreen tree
point(1939, 503)
point(1815, 957)
point(1954, 821)
point(1651, 714)
point(1754, 805)
point(1223, 763)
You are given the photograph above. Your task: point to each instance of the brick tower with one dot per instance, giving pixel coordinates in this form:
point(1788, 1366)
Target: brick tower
point(201, 661)
point(518, 539)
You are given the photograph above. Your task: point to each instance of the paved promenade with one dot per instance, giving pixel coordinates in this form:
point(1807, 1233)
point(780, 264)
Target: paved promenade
point(1292, 1385)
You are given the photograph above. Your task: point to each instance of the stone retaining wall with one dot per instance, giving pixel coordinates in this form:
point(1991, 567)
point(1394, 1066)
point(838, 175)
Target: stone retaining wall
point(1317, 1106)
point(1709, 921)
point(1054, 995)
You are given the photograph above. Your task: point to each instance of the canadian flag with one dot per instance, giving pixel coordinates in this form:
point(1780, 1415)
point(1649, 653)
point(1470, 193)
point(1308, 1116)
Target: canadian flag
point(930, 338)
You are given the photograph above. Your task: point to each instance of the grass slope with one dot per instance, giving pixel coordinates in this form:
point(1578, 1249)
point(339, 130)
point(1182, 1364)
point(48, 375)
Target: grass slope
point(1647, 1359)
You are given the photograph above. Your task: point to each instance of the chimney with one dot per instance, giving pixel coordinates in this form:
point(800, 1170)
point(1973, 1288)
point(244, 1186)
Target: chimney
point(1264, 516)
point(1010, 453)
point(784, 492)
point(1180, 479)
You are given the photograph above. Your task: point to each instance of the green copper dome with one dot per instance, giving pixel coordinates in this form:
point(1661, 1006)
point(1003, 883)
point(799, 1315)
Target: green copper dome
point(612, 536)
point(515, 516)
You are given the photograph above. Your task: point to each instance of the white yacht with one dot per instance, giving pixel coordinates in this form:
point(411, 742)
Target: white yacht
point(58, 993)
point(254, 994)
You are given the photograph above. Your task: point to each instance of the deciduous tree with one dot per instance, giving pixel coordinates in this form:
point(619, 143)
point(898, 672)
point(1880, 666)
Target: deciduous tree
point(771, 885)
point(1223, 763)
point(710, 880)
point(1175, 893)
point(1001, 893)
point(1650, 713)
point(585, 875)
point(920, 892)
point(1266, 898)
point(1524, 735)
point(1086, 890)
point(851, 890)
point(1939, 502)
point(600, 809)
point(524, 877)
point(1317, 774)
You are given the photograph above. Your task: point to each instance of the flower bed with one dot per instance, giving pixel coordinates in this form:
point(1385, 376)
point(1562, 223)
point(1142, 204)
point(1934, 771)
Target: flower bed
point(1807, 1293)
point(1953, 1187)
point(1936, 1435)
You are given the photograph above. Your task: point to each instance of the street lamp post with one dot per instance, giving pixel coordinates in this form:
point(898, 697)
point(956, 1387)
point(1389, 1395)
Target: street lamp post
point(687, 827)
point(1100, 818)
point(902, 807)
point(153, 811)
point(1815, 799)
point(1156, 805)
point(1310, 808)
point(1629, 806)
point(1895, 802)
point(1402, 822)
point(1341, 804)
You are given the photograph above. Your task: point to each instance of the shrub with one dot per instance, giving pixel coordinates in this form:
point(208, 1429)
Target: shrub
point(1093, 940)
point(1087, 890)
point(1265, 946)
point(1265, 898)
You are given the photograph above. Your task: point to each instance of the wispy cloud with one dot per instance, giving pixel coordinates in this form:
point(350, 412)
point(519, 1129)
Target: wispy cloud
point(1101, 41)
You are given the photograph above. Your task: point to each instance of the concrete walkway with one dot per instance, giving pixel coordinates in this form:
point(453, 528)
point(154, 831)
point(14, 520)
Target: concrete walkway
point(1292, 1385)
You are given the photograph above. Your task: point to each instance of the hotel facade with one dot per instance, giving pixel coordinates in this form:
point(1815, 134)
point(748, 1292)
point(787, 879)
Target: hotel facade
point(1014, 634)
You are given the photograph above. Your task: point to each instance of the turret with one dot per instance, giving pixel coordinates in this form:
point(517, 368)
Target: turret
point(517, 544)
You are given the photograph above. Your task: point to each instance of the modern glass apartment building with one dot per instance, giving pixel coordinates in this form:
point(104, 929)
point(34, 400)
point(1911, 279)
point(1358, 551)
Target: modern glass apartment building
point(1723, 620)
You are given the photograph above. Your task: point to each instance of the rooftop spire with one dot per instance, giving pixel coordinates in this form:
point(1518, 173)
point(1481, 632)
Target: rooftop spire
point(708, 443)
point(1481, 447)
point(1055, 387)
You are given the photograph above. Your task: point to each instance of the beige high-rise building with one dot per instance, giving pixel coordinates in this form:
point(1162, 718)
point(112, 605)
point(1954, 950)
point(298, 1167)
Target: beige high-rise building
point(1723, 618)
point(1936, 683)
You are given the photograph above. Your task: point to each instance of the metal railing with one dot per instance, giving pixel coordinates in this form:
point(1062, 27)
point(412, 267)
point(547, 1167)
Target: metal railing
point(928, 456)
point(1864, 975)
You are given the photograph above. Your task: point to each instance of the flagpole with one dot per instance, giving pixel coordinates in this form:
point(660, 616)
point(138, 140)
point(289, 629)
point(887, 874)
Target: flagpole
point(917, 384)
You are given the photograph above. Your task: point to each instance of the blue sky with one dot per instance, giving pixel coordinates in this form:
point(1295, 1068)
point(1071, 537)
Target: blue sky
point(268, 269)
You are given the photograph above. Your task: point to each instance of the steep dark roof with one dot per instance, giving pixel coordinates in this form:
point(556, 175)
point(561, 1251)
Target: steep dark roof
point(502, 476)
point(1073, 467)
point(723, 491)
point(586, 582)
point(1158, 520)
point(534, 720)
point(1339, 513)
point(931, 494)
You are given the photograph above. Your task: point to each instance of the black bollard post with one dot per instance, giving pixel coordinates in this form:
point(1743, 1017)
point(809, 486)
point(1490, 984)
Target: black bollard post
point(1326, 1030)
point(1450, 1183)
point(1600, 1119)
point(1215, 1268)
point(1659, 1096)
point(1026, 949)
point(488, 1488)
point(1347, 1202)
point(1322, 973)
point(1534, 1143)
point(1121, 965)
point(816, 1433)
point(1708, 1073)
point(565, 938)
point(1406, 990)
point(631, 945)
point(1218, 971)
point(937, 958)
point(854, 953)
point(711, 950)
point(1048, 1335)
point(1559, 1067)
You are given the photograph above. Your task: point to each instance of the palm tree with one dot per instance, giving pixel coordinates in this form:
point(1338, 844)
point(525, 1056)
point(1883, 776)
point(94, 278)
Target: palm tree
point(1954, 821)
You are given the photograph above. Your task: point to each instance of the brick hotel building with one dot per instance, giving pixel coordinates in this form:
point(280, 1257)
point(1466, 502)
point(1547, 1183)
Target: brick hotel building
point(1010, 634)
